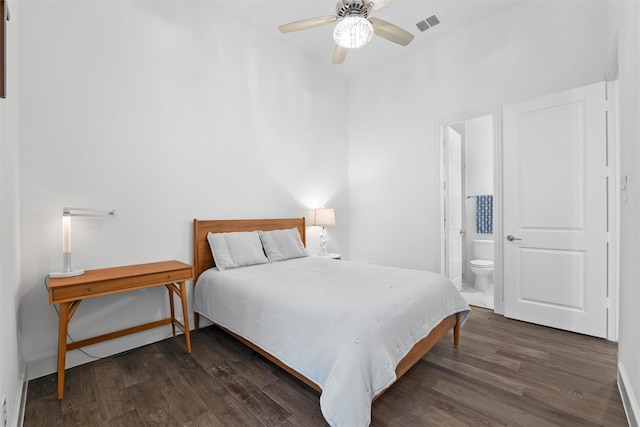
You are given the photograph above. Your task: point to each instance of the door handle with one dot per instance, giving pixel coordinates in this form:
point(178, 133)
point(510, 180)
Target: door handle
point(511, 238)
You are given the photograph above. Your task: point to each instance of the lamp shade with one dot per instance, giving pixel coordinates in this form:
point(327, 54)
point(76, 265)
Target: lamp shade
point(324, 217)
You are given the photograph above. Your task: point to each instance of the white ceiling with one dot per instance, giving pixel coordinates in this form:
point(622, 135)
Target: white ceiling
point(318, 44)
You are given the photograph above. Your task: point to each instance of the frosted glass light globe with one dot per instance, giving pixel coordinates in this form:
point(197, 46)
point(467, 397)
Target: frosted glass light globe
point(353, 32)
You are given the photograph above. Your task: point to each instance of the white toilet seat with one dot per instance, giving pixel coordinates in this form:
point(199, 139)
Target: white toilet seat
point(483, 271)
point(481, 263)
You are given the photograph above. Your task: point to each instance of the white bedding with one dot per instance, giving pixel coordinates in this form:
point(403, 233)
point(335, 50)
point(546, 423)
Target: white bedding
point(343, 325)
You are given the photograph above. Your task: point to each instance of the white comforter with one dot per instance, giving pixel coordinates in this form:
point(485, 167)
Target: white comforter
point(343, 325)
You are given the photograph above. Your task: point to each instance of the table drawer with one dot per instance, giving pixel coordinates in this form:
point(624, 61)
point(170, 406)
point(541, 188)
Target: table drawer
point(116, 285)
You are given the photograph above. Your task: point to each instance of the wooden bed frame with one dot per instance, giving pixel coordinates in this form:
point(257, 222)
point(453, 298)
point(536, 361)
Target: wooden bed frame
point(203, 260)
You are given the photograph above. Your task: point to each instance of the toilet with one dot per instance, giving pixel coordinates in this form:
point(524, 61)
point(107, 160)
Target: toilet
point(482, 264)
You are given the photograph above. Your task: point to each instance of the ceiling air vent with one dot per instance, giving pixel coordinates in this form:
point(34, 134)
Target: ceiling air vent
point(425, 24)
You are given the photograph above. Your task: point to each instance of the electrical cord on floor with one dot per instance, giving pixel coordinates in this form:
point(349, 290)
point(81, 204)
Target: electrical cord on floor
point(55, 307)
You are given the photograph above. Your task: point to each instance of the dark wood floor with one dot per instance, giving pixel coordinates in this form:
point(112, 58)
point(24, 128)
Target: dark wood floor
point(503, 373)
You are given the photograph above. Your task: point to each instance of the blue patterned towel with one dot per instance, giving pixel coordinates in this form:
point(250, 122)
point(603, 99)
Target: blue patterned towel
point(484, 214)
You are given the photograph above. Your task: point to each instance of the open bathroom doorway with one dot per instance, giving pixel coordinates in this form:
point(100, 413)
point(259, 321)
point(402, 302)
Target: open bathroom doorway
point(471, 206)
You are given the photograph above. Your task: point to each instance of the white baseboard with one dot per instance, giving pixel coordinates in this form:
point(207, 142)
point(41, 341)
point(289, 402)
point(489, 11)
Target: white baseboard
point(629, 399)
point(17, 420)
point(21, 403)
point(47, 363)
point(41, 365)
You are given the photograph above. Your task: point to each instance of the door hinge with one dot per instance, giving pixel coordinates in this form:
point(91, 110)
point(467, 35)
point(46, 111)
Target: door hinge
point(608, 171)
point(608, 237)
point(607, 303)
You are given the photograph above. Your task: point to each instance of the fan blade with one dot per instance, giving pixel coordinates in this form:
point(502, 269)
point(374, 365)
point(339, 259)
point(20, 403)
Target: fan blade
point(305, 24)
point(339, 53)
point(390, 32)
point(379, 4)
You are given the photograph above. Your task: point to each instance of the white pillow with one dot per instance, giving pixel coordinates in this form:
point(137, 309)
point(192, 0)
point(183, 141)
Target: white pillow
point(283, 244)
point(231, 250)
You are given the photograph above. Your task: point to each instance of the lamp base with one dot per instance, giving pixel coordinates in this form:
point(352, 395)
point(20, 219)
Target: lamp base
point(60, 274)
point(323, 242)
point(67, 271)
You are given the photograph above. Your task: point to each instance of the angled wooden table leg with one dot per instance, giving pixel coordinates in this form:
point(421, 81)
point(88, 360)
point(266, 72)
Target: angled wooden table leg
point(69, 292)
point(185, 313)
point(63, 323)
point(173, 312)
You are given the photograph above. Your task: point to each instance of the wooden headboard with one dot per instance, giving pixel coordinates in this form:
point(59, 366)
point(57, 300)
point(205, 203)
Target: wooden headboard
point(202, 258)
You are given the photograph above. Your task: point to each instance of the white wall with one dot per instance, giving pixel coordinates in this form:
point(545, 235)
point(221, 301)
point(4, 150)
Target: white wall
point(526, 50)
point(479, 161)
point(12, 365)
point(479, 149)
point(165, 112)
point(626, 21)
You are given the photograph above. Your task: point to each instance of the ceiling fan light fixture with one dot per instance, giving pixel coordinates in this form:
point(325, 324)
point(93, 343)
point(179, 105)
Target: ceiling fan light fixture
point(353, 32)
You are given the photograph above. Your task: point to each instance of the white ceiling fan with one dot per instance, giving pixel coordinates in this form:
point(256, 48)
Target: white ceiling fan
point(355, 27)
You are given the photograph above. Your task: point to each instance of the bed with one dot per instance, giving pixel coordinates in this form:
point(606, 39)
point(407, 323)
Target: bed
point(348, 330)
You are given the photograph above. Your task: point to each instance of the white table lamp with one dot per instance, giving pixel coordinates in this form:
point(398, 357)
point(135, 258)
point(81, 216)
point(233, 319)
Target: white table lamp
point(323, 217)
point(67, 213)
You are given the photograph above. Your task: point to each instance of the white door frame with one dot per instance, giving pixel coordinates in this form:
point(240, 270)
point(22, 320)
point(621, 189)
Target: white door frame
point(454, 226)
point(613, 200)
point(614, 190)
point(441, 122)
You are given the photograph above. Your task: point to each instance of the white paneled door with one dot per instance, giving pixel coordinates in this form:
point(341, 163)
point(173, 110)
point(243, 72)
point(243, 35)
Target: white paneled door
point(555, 210)
point(453, 210)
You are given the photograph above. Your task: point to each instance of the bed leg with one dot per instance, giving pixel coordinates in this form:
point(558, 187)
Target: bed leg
point(196, 321)
point(456, 330)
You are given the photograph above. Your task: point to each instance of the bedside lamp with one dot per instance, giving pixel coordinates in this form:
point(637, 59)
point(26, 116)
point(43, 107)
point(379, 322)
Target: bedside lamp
point(323, 217)
point(67, 213)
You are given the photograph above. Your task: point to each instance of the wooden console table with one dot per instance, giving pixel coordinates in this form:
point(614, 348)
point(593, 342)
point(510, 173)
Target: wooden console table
point(70, 291)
